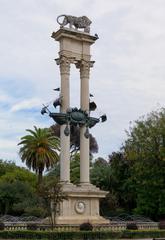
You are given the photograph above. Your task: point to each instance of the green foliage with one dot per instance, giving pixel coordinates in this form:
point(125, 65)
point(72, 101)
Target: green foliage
point(17, 191)
point(101, 174)
point(59, 235)
point(146, 138)
point(9, 172)
point(113, 176)
point(75, 139)
point(21, 175)
point(15, 197)
point(51, 195)
point(75, 168)
point(35, 210)
point(81, 234)
point(6, 167)
point(121, 181)
point(135, 176)
point(133, 234)
point(39, 150)
point(145, 151)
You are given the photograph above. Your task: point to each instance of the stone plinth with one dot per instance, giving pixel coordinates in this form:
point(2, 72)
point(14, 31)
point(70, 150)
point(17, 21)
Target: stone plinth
point(74, 44)
point(81, 206)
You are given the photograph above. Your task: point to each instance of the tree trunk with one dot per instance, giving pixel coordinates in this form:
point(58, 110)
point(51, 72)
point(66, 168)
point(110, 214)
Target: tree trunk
point(40, 176)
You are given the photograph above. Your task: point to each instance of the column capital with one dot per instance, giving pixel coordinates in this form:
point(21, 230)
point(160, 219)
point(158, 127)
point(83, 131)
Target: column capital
point(64, 63)
point(84, 67)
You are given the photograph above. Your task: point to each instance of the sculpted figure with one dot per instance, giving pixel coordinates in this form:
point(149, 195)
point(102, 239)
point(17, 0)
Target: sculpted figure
point(77, 22)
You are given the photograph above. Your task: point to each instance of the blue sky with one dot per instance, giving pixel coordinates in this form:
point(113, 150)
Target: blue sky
point(127, 79)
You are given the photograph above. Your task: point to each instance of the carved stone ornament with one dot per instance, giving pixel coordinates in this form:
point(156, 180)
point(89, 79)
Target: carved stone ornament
point(64, 64)
point(77, 22)
point(84, 67)
point(80, 207)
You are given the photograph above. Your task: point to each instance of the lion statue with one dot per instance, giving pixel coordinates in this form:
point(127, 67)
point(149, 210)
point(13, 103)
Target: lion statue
point(77, 22)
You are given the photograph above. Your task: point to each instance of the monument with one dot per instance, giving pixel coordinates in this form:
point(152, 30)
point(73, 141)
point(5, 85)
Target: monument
point(82, 204)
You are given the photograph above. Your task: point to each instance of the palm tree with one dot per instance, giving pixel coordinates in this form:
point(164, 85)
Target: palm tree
point(39, 150)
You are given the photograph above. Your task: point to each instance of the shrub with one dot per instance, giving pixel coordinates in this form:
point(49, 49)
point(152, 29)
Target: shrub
point(2, 226)
point(35, 211)
point(86, 226)
point(131, 226)
point(132, 234)
point(63, 235)
point(32, 226)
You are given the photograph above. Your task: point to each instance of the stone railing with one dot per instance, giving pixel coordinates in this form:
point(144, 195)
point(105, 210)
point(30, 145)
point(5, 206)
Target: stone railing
point(112, 226)
point(119, 226)
point(147, 225)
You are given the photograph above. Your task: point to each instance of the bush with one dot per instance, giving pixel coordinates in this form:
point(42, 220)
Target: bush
point(32, 226)
point(132, 234)
point(86, 226)
point(93, 235)
point(35, 211)
point(2, 226)
point(131, 226)
point(162, 224)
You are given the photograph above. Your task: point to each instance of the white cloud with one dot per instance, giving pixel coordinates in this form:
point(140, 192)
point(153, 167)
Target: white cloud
point(4, 98)
point(127, 79)
point(26, 104)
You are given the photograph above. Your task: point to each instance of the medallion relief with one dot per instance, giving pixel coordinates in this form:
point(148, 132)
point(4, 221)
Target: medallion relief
point(80, 207)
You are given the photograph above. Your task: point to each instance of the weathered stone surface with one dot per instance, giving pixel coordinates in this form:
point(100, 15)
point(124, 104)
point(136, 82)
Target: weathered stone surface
point(82, 205)
point(83, 200)
point(78, 22)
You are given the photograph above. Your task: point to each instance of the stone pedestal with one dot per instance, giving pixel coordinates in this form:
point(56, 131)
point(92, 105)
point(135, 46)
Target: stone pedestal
point(81, 206)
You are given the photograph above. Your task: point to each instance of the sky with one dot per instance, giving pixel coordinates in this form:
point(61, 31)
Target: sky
point(127, 79)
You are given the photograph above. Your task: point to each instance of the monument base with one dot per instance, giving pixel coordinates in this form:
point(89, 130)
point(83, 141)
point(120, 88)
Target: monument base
point(82, 205)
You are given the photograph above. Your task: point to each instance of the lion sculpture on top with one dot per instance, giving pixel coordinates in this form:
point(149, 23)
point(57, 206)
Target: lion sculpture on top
point(77, 22)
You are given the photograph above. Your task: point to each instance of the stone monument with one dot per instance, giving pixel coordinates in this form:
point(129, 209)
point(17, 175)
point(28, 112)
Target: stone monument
point(82, 204)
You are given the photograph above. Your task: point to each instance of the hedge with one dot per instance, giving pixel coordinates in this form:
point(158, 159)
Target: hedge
point(81, 234)
point(143, 234)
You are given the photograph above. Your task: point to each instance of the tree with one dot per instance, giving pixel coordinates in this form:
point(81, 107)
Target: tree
point(6, 167)
point(18, 191)
point(16, 173)
point(121, 183)
point(145, 151)
point(39, 150)
point(75, 139)
point(75, 168)
point(16, 198)
point(52, 195)
point(134, 176)
point(100, 174)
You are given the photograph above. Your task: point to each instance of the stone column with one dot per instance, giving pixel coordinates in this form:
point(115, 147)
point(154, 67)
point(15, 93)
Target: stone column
point(84, 100)
point(64, 64)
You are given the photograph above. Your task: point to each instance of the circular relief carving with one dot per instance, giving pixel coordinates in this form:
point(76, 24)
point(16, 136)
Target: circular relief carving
point(80, 207)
